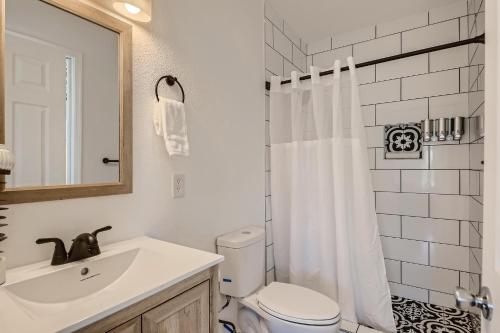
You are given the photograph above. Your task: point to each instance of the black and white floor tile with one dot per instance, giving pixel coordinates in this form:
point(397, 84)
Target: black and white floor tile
point(419, 317)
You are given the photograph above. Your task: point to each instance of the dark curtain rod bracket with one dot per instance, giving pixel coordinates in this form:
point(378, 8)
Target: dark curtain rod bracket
point(478, 40)
point(171, 80)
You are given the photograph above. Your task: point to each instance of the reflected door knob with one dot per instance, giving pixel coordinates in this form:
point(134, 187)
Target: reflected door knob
point(466, 301)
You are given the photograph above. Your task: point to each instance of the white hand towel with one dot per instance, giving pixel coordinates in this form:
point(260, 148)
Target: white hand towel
point(169, 120)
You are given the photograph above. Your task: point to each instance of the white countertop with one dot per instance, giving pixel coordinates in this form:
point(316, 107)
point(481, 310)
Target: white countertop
point(162, 265)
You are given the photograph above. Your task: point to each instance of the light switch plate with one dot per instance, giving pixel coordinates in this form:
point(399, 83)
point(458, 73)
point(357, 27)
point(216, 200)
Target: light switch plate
point(179, 186)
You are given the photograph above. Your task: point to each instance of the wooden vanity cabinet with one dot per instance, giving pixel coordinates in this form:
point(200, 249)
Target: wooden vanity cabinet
point(187, 307)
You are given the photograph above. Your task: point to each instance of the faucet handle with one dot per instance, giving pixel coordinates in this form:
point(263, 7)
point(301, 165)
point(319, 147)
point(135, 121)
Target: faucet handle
point(60, 255)
point(101, 230)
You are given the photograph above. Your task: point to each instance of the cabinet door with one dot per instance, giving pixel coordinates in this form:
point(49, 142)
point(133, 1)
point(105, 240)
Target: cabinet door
point(187, 313)
point(132, 326)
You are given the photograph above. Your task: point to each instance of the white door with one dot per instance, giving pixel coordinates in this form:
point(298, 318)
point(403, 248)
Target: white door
point(35, 110)
point(491, 240)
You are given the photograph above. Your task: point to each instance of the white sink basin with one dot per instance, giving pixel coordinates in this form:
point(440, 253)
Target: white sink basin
point(45, 298)
point(71, 283)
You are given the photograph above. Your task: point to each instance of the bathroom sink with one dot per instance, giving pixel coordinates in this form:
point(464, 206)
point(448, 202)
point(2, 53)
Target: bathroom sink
point(71, 283)
point(45, 298)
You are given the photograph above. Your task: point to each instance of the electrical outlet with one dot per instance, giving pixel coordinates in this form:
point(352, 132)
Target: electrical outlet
point(179, 186)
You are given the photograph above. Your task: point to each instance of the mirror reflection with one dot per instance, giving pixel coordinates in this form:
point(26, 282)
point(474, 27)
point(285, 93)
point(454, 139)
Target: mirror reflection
point(62, 104)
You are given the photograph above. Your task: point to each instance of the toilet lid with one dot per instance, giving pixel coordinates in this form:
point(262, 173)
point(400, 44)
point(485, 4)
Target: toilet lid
point(298, 304)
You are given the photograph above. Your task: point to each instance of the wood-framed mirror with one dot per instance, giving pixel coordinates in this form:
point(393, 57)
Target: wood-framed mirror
point(66, 100)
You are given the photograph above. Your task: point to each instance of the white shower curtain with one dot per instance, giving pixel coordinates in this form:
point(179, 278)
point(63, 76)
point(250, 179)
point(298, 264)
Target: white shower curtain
point(324, 222)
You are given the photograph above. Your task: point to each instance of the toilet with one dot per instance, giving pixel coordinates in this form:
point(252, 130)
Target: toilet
point(278, 307)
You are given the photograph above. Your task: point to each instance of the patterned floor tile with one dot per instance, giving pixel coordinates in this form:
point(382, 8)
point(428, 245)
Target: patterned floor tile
point(418, 317)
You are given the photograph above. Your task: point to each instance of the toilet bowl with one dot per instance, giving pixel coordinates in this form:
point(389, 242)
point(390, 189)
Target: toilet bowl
point(277, 308)
point(287, 308)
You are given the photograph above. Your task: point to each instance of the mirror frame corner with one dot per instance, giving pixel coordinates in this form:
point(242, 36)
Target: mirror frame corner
point(61, 192)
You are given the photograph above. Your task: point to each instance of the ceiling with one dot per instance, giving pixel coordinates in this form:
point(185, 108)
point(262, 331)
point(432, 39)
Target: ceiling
point(315, 19)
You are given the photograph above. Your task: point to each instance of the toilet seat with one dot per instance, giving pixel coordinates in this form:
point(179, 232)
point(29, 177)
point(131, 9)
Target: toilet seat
point(298, 305)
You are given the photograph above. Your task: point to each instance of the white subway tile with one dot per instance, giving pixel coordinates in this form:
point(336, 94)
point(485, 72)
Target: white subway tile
point(393, 270)
point(268, 183)
point(318, 46)
point(464, 280)
point(368, 115)
point(465, 182)
point(449, 58)
point(430, 277)
point(309, 63)
point(324, 60)
point(366, 74)
point(269, 276)
point(433, 84)
point(476, 156)
point(476, 99)
point(449, 256)
point(447, 12)
point(430, 181)
point(380, 92)
point(268, 209)
point(272, 15)
point(389, 225)
point(268, 158)
point(268, 26)
point(291, 34)
point(299, 59)
point(269, 233)
point(342, 54)
point(449, 157)
point(405, 250)
point(455, 207)
point(351, 37)
point(371, 157)
point(422, 163)
point(402, 204)
point(475, 210)
point(274, 61)
point(404, 67)
point(465, 227)
point(410, 292)
point(474, 183)
point(464, 27)
point(375, 136)
point(402, 112)
point(405, 23)
point(441, 299)
point(269, 257)
point(431, 230)
point(432, 35)
point(282, 44)
point(464, 79)
point(448, 106)
point(288, 68)
point(386, 180)
point(377, 48)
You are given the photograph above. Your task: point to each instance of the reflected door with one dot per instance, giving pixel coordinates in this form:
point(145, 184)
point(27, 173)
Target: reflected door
point(35, 110)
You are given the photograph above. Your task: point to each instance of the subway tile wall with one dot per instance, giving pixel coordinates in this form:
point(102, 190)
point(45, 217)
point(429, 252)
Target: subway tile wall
point(285, 52)
point(429, 210)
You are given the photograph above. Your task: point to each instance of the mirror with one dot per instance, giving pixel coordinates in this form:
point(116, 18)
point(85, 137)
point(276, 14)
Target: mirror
point(66, 116)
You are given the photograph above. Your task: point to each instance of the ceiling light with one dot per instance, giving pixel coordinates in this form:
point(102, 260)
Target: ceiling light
point(137, 10)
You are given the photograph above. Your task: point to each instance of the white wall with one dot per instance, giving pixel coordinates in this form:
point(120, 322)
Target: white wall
point(215, 48)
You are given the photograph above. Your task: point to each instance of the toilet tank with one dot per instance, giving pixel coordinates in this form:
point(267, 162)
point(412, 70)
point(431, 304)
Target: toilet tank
point(242, 272)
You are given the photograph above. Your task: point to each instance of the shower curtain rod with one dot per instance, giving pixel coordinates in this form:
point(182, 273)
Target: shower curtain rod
point(478, 39)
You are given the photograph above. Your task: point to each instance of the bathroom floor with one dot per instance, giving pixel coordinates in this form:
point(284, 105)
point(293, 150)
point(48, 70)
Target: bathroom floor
point(419, 317)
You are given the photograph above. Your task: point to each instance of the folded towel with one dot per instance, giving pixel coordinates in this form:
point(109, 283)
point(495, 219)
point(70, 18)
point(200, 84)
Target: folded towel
point(169, 120)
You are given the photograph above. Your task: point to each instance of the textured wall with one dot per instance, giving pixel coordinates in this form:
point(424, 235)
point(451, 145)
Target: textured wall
point(225, 107)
